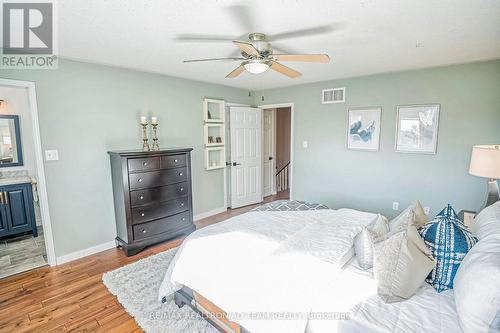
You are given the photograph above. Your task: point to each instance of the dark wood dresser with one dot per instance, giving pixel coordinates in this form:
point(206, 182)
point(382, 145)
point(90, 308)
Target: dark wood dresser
point(152, 196)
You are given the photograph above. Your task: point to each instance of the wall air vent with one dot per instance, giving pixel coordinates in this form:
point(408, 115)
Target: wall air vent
point(334, 95)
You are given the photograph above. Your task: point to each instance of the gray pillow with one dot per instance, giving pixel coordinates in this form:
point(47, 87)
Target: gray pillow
point(363, 242)
point(401, 262)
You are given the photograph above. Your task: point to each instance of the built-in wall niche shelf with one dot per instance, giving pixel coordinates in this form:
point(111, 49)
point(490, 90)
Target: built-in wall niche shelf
point(214, 135)
point(213, 110)
point(215, 158)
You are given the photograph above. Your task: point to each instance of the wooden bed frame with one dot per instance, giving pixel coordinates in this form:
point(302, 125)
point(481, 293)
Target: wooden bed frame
point(209, 311)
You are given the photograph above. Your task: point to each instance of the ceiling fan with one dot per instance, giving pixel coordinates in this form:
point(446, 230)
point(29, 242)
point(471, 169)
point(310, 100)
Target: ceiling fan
point(257, 57)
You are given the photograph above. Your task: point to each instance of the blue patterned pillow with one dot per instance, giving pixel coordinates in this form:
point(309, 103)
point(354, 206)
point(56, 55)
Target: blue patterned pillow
point(449, 240)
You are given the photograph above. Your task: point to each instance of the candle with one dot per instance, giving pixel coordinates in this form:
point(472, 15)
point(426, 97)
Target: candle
point(154, 120)
point(144, 120)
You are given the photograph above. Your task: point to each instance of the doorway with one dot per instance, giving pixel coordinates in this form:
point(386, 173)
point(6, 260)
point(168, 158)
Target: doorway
point(277, 151)
point(25, 234)
point(271, 178)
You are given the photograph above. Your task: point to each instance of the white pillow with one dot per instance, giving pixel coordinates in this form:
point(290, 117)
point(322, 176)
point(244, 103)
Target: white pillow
point(487, 222)
point(477, 287)
point(363, 242)
point(400, 264)
point(413, 214)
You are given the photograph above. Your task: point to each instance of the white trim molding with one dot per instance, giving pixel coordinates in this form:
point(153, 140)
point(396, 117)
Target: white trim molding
point(86, 252)
point(40, 170)
point(212, 212)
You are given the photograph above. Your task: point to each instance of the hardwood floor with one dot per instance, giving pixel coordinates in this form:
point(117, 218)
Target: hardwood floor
point(72, 297)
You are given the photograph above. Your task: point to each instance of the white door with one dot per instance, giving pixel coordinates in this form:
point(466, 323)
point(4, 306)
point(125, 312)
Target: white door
point(269, 152)
point(246, 156)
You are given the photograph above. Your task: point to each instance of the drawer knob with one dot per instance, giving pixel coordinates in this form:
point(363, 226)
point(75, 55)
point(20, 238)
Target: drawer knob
point(139, 180)
point(182, 204)
point(143, 231)
point(181, 189)
point(145, 163)
point(183, 219)
point(141, 197)
point(175, 161)
point(180, 173)
point(142, 214)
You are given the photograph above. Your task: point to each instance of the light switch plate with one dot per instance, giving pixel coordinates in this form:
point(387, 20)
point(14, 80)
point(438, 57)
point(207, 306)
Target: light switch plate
point(304, 144)
point(51, 155)
point(395, 205)
point(427, 210)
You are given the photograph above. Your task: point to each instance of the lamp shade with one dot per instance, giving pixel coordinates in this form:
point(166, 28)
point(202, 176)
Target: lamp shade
point(485, 161)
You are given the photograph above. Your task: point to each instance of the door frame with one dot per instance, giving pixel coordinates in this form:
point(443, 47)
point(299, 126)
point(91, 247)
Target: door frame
point(273, 186)
point(292, 130)
point(41, 182)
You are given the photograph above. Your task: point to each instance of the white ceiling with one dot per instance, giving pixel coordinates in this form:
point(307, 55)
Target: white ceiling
point(370, 36)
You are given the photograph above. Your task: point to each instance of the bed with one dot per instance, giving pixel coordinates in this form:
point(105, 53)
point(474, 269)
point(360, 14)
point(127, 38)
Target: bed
point(284, 271)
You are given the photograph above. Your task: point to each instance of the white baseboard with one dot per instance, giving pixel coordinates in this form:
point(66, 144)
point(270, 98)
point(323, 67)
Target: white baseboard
point(111, 244)
point(210, 213)
point(85, 252)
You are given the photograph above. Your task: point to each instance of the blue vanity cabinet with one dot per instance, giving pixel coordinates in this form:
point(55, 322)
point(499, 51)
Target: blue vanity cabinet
point(17, 213)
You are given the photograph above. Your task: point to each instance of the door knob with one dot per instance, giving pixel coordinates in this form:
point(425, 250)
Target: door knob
point(235, 164)
point(270, 158)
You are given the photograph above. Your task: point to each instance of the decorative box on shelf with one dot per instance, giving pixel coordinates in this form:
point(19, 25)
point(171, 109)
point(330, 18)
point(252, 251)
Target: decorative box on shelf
point(214, 135)
point(215, 158)
point(213, 110)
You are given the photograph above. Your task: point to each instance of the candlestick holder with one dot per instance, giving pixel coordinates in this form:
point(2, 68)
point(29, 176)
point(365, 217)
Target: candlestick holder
point(145, 144)
point(155, 137)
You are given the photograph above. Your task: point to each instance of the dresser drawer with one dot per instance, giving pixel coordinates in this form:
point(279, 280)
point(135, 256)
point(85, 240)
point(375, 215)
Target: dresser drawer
point(164, 193)
point(157, 178)
point(173, 161)
point(169, 224)
point(143, 164)
point(156, 211)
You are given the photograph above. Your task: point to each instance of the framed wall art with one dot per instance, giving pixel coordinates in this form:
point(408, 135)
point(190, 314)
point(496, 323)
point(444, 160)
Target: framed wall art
point(363, 128)
point(417, 128)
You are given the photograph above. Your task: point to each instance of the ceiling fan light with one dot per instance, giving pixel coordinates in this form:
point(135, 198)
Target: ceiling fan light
point(256, 67)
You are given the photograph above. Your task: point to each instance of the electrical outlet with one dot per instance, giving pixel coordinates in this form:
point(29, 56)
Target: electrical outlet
point(304, 144)
point(51, 155)
point(395, 205)
point(427, 210)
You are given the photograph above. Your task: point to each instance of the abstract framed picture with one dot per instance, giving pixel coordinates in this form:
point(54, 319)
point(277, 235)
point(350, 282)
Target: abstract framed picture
point(417, 129)
point(363, 128)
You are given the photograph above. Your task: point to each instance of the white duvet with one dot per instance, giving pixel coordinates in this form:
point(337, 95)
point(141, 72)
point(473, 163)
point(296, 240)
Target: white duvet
point(355, 291)
point(264, 267)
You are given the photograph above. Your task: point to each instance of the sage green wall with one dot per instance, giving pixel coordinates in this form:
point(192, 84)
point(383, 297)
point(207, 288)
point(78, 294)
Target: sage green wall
point(86, 110)
point(329, 173)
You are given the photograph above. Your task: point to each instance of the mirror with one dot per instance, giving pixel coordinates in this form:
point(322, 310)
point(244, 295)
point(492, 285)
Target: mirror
point(10, 141)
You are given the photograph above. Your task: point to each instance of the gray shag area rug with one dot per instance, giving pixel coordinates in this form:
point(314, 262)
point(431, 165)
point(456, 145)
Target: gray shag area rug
point(136, 287)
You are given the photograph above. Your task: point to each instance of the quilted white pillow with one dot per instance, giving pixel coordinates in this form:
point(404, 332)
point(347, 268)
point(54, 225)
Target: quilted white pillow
point(413, 214)
point(363, 242)
point(477, 287)
point(487, 222)
point(400, 264)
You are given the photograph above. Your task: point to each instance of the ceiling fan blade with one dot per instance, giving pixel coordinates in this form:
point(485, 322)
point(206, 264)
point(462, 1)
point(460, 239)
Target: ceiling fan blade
point(213, 59)
point(291, 73)
point(303, 57)
point(324, 29)
point(235, 72)
point(247, 48)
point(203, 38)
